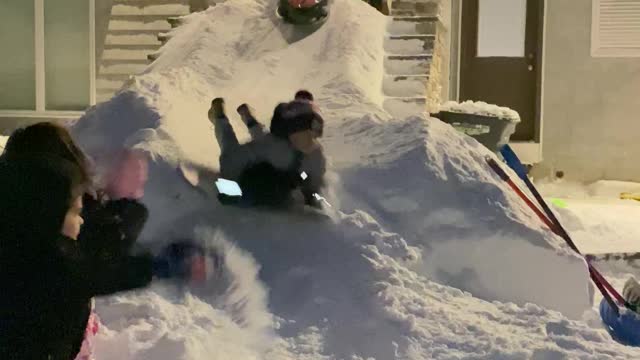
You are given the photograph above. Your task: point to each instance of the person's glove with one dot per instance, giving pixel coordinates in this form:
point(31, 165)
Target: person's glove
point(112, 227)
point(188, 262)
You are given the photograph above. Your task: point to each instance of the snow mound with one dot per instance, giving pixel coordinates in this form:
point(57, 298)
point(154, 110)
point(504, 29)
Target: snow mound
point(481, 108)
point(3, 141)
point(418, 211)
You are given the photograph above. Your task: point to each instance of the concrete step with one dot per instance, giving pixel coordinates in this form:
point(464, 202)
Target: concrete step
point(405, 85)
point(409, 44)
point(427, 8)
point(153, 56)
point(124, 68)
point(410, 25)
point(402, 107)
point(151, 2)
point(132, 37)
point(115, 77)
point(407, 64)
point(142, 47)
point(163, 38)
point(111, 82)
point(402, 12)
point(104, 95)
point(146, 22)
point(136, 53)
point(106, 87)
point(147, 9)
point(123, 62)
point(175, 21)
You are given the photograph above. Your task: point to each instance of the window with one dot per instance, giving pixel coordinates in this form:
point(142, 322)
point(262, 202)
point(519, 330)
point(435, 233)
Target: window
point(47, 64)
point(17, 63)
point(66, 54)
point(615, 28)
point(501, 28)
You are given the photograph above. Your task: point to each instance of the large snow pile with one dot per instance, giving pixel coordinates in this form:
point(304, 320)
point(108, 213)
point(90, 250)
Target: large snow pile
point(421, 217)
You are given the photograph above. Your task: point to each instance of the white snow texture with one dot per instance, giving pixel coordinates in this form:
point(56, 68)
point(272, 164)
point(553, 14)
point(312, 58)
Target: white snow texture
point(430, 255)
point(481, 108)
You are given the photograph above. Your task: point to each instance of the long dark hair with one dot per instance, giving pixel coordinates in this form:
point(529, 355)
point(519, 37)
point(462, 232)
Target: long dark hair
point(48, 139)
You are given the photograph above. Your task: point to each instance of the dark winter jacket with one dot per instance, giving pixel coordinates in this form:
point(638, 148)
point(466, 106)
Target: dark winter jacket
point(111, 227)
point(47, 279)
point(264, 184)
point(268, 169)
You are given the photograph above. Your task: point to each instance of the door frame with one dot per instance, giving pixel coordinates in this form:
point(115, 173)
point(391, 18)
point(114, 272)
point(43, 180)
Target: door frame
point(530, 152)
point(40, 110)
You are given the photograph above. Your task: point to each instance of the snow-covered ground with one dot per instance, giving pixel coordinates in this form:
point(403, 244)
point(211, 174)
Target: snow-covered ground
point(427, 256)
point(598, 220)
point(601, 224)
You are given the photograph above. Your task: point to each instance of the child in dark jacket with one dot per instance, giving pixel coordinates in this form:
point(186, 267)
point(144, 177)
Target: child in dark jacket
point(48, 282)
point(49, 268)
point(272, 165)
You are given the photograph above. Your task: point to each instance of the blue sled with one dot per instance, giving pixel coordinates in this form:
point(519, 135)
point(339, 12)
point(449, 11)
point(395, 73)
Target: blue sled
point(625, 328)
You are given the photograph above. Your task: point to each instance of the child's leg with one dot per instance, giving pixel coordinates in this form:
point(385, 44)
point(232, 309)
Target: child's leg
point(256, 130)
point(225, 135)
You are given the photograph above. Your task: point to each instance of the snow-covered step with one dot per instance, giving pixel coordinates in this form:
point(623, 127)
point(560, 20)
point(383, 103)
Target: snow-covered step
point(417, 7)
point(128, 53)
point(402, 25)
point(110, 63)
point(175, 21)
point(111, 82)
point(401, 107)
point(410, 44)
point(142, 9)
point(163, 38)
point(132, 37)
point(402, 12)
point(405, 85)
point(150, 2)
point(104, 95)
point(153, 56)
point(125, 68)
point(408, 64)
point(151, 23)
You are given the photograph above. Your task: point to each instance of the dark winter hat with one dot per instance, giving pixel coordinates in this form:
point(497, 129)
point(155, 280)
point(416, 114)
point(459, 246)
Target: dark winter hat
point(47, 138)
point(304, 95)
point(293, 117)
point(35, 194)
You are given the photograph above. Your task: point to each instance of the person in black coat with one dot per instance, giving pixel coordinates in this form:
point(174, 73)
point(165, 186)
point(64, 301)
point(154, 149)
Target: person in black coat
point(111, 226)
point(50, 268)
point(47, 280)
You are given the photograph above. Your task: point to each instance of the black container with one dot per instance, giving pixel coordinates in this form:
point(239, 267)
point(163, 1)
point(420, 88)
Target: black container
point(490, 131)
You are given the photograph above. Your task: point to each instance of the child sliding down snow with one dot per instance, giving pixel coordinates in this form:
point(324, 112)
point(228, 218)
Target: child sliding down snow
point(271, 166)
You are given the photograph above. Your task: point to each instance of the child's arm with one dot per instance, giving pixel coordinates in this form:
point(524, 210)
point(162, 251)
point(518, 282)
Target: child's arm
point(111, 228)
point(314, 166)
point(96, 275)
